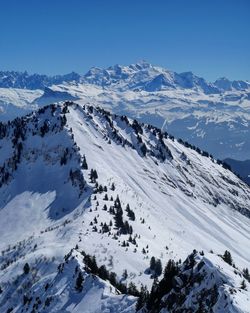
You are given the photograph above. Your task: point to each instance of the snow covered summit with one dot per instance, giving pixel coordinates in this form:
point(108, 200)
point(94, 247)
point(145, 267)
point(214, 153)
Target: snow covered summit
point(78, 177)
point(144, 76)
point(212, 115)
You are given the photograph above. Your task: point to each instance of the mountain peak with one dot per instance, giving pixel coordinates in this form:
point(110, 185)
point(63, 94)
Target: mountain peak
point(143, 64)
point(87, 194)
point(134, 76)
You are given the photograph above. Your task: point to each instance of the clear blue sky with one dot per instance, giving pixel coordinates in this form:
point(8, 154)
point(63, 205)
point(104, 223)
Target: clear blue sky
point(209, 37)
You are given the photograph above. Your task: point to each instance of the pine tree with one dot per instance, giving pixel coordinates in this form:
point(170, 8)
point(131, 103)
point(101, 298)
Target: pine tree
point(84, 163)
point(130, 213)
point(90, 261)
point(94, 266)
point(130, 230)
point(127, 208)
point(158, 268)
point(111, 210)
point(93, 176)
point(153, 294)
point(118, 217)
point(132, 289)
point(125, 228)
point(125, 274)
point(227, 257)
point(143, 298)
point(152, 263)
point(105, 228)
point(26, 268)
point(246, 274)
point(143, 149)
point(26, 299)
point(117, 203)
point(79, 282)
point(133, 241)
point(112, 278)
point(103, 273)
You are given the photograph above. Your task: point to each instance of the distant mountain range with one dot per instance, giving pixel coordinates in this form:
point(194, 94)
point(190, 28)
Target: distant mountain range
point(140, 76)
point(144, 76)
point(213, 116)
point(22, 80)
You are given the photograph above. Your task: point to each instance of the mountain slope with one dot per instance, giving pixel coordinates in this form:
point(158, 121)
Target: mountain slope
point(17, 102)
point(213, 116)
point(200, 284)
point(122, 191)
point(46, 287)
point(218, 123)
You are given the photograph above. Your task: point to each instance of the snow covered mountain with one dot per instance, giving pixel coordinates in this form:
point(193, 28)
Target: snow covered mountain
point(144, 76)
point(227, 85)
point(77, 182)
point(22, 80)
point(214, 116)
point(218, 123)
point(17, 102)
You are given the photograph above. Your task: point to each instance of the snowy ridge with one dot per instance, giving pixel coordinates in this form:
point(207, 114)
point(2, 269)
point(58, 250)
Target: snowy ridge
point(17, 102)
point(51, 288)
point(141, 75)
point(123, 191)
point(200, 284)
point(144, 76)
point(227, 85)
point(213, 116)
point(22, 80)
point(218, 123)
